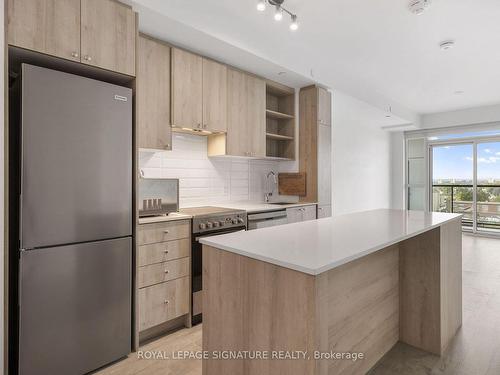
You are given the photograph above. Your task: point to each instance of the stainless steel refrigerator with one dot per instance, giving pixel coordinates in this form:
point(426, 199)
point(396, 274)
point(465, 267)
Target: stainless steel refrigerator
point(76, 223)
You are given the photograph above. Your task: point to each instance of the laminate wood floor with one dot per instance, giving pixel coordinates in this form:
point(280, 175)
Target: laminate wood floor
point(474, 351)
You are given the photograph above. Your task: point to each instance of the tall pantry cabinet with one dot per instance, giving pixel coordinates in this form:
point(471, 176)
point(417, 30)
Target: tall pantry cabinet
point(315, 146)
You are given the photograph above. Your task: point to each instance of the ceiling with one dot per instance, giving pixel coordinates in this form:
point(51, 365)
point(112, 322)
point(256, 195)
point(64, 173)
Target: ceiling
point(375, 50)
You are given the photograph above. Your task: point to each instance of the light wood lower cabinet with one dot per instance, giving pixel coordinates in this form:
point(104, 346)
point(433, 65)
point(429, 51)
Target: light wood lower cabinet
point(163, 302)
point(163, 273)
point(324, 211)
point(163, 251)
point(161, 232)
point(303, 213)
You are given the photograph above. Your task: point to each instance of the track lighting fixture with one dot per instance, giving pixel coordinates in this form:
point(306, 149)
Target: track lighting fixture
point(278, 11)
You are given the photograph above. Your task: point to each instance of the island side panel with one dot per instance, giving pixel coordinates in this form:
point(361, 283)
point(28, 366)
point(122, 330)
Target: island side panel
point(451, 281)
point(420, 291)
point(358, 311)
point(253, 305)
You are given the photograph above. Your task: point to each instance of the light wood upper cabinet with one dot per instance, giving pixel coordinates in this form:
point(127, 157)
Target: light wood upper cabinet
point(100, 33)
point(153, 94)
point(324, 106)
point(237, 113)
point(187, 85)
point(214, 96)
point(246, 118)
point(199, 92)
point(108, 35)
point(256, 116)
point(48, 26)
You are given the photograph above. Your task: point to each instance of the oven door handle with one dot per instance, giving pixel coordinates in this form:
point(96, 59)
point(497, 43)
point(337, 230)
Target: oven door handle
point(219, 233)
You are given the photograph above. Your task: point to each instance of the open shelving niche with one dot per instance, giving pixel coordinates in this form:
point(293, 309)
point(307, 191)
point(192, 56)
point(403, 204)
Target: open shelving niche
point(280, 121)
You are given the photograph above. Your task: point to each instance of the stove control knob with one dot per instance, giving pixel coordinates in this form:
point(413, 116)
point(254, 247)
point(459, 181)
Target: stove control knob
point(216, 224)
point(202, 226)
point(235, 221)
point(209, 224)
point(222, 223)
point(240, 220)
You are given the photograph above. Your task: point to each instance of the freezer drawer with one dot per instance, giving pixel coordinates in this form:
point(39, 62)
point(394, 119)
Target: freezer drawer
point(75, 307)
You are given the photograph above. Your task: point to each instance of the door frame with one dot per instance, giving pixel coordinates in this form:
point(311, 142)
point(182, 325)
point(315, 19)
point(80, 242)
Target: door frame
point(474, 141)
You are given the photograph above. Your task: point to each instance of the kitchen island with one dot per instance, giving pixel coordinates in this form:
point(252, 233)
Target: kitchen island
point(331, 296)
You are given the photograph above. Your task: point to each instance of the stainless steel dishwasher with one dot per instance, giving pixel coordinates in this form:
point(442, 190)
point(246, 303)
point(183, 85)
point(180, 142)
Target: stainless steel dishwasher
point(266, 219)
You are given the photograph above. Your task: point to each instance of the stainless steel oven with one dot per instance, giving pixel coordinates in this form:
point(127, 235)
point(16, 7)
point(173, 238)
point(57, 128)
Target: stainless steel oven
point(196, 269)
point(208, 221)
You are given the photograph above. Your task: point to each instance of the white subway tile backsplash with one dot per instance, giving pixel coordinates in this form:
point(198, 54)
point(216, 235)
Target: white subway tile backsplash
point(204, 180)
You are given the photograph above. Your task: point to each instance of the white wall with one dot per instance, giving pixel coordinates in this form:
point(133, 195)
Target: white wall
point(361, 157)
point(477, 115)
point(397, 170)
point(204, 180)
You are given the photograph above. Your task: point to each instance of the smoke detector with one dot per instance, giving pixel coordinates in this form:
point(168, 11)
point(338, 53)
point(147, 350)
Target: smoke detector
point(419, 6)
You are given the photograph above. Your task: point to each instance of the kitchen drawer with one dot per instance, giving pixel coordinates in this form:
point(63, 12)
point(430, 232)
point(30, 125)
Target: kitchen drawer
point(324, 211)
point(163, 251)
point(158, 273)
point(161, 232)
point(163, 302)
point(302, 213)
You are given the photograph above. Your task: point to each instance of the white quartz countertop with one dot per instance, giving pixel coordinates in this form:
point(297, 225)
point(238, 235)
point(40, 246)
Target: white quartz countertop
point(317, 246)
point(252, 207)
point(158, 219)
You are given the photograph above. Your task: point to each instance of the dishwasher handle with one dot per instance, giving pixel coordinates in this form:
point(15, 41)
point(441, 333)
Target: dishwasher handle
point(267, 215)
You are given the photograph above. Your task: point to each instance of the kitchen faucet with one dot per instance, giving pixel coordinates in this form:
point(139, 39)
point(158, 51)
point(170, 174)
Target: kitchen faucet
point(269, 194)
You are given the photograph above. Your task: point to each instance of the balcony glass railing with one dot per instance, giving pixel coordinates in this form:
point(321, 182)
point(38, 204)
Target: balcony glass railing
point(459, 199)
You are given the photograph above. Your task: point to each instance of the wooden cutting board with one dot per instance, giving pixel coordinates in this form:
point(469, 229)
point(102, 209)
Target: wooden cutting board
point(292, 183)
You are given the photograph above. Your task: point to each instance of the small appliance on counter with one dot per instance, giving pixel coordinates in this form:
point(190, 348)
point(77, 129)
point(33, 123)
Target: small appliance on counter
point(158, 196)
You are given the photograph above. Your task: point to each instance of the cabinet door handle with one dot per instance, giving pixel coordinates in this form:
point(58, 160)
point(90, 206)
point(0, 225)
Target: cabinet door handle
point(166, 231)
point(167, 145)
point(166, 302)
point(167, 271)
point(87, 58)
point(165, 251)
point(74, 54)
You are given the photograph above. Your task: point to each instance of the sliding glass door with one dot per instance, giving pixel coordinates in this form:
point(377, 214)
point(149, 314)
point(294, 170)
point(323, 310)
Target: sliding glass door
point(453, 180)
point(466, 179)
point(488, 187)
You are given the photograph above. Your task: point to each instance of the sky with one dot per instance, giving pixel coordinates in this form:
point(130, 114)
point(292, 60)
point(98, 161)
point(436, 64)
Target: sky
point(457, 161)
